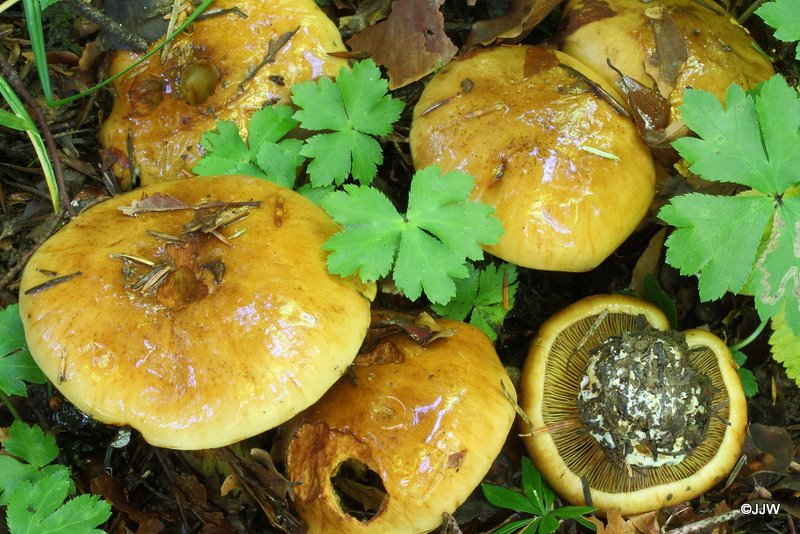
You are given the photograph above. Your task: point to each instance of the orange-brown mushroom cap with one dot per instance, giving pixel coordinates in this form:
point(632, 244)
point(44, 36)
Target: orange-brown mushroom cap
point(566, 173)
point(667, 45)
point(428, 421)
point(227, 67)
point(236, 339)
point(568, 456)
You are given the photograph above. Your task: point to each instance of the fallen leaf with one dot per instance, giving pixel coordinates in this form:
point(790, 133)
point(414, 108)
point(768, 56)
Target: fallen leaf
point(410, 43)
point(521, 18)
point(368, 13)
point(155, 202)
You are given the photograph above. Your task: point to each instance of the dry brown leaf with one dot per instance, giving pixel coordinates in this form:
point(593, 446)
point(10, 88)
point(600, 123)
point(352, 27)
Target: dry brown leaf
point(521, 18)
point(615, 524)
point(646, 523)
point(411, 43)
point(367, 13)
point(648, 262)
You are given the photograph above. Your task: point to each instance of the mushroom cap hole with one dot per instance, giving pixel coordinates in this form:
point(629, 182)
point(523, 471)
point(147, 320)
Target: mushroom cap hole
point(567, 454)
point(359, 490)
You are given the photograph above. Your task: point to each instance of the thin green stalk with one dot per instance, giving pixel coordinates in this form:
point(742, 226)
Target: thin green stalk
point(29, 127)
point(8, 404)
point(33, 18)
point(749, 11)
point(749, 339)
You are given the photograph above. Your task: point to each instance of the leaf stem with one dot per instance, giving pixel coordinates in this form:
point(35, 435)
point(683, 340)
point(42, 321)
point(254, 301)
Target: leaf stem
point(749, 339)
point(749, 11)
point(8, 404)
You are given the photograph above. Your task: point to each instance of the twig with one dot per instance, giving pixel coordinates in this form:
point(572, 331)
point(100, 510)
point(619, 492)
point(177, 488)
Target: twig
point(703, 524)
point(110, 25)
point(22, 91)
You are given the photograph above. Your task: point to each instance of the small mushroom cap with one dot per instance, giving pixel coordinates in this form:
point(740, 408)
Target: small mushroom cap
point(567, 175)
point(567, 456)
point(230, 358)
point(429, 421)
point(666, 45)
point(213, 73)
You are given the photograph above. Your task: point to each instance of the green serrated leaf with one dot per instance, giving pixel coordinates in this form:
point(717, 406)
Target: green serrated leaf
point(785, 346)
point(16, 364)
point(784, 16)
point(225, 150)
point(460, 306)
point(428, 257)
point(39, 508)
point(280, 161)
point(717, 237)
point(776, 273)
point(371, 234)
point(348, 112)
point(31, 444)
point(315, 194)
point(268, 125)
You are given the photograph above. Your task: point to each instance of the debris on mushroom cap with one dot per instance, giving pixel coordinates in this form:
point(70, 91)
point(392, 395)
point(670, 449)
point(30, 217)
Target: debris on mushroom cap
point(227, 67)
point(665, 45)
point(206, 318)
point(405, 438)
point(550, 149)
point(571, 454)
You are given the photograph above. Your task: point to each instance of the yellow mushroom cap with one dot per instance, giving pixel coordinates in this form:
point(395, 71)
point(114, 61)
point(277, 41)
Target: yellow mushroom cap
point(567, 175)
point(208, 358)
point(218, 71)
point(648, 40)
point(429, 421)
point(567, 455)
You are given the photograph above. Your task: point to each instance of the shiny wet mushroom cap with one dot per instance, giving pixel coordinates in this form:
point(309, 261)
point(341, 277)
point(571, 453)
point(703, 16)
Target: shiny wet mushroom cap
point(200, 315)
point(228, 66)
point(550, 149)
point(665, 45)
point(405, 438)
point(626, 413)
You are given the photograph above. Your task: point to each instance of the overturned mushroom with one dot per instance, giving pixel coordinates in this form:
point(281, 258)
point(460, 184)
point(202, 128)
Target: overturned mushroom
point(230, 65)
point(206, 318)
point(405, 438)
point(550, 150)
point(627, 414)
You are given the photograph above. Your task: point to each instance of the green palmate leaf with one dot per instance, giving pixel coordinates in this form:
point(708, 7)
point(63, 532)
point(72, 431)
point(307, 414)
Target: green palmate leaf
point(39, 508)
point(31, 444)
point(349, 111)
point(480, 296)
point(521, 525)
point(428, 248)
point(717, 237)
point(747, 243)
point(776, 274)
point(265, 157)
point(785, 346)
point(784, 16)
point(16, 364)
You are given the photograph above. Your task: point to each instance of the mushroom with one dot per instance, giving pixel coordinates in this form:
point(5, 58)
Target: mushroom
point(207, 318)
point(405, 438)
point(664, 45)
point(549, 149)
point(230, 65)
point(626, 414)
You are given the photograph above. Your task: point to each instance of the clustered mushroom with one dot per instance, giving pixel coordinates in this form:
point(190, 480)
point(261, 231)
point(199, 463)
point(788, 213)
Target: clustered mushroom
point(627, 414)
point(207, 318)
point(231, 64)
point(549, 148)
point(405, 438)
